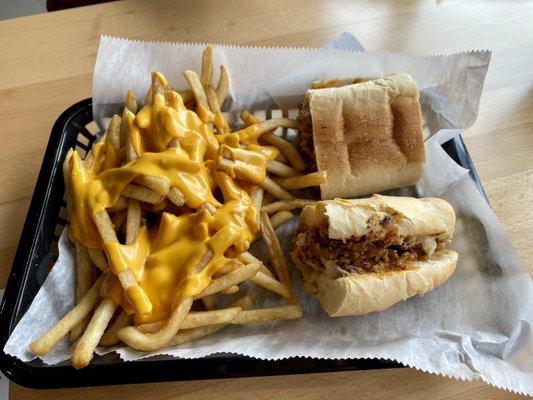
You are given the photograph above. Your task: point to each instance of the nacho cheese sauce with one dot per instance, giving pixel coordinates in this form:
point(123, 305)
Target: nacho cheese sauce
point(162, 258)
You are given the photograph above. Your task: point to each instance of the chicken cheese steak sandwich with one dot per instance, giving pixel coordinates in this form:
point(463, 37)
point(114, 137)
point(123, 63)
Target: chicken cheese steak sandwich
point(364, 255)
point(367, 135)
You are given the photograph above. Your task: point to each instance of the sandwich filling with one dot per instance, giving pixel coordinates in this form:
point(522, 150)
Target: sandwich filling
point(381, 248)
point(306, 144)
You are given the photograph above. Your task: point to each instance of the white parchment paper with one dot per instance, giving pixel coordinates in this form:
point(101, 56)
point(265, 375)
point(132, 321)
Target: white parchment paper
point(476, 325)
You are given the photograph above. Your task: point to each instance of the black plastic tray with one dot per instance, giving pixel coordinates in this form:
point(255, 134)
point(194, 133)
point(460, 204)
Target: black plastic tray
point(36, 253)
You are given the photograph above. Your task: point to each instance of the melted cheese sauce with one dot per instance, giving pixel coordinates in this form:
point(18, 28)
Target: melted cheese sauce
point(163, 257)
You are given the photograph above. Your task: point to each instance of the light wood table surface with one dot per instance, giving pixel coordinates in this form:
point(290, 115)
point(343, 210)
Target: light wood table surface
point(46, 64)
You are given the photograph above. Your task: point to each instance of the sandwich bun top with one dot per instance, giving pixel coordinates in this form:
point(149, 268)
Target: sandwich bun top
point(348, 218)
point(368, 136)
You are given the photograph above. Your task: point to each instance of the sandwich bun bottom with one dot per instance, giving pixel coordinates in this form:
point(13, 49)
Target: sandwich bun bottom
point(364, 293)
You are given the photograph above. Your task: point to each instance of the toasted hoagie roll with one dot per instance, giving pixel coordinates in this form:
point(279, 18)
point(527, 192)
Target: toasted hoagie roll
point(366, 134)
point(360, 256)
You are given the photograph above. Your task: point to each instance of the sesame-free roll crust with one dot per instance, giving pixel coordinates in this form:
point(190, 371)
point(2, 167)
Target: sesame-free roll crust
point(365, 255)
point(367, 136)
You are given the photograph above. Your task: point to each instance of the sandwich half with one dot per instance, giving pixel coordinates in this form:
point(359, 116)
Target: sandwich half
point(367, 134)
point(365, 255)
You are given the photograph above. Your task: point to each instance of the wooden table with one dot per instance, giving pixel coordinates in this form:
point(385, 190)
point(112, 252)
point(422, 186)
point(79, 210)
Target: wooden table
point(46, 64)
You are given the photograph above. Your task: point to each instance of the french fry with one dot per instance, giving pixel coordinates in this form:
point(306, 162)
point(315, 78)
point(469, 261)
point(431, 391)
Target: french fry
point(231, 167)
point(206, 73)
point(276, 254)
point(110, 338)
point(268, 314)
point(159, 83)
point(173, 99)
point(280, 169)
point(105, 227)
point(124, 129)
point(155, 341)
point(269, 283)
point(54, 335)
point(176, 197)
point(141, 193)
point(209, 207)
point(228, 280)
point(212, 100)
point(159, 185)
point(272, 187)
point(220, 122)
point(256, 194)
point(133, 221)
point(275, 123)
point(248, 118)
point(197, 89)
point(222, 85)
point(84, 350)
point(248, 258)
point(130, 102)
point(85, 276)
point(121, 204)
point(244, 317)
point(191, 335)
point(227, 268)
point(118, 220)
point(152, 327)
point(303, 181)
point(286, 149)
point(276, 220)
point(99, 259)
point(127, 122)
point(140, 301)
point(286, 205)
point(113, 133)
point(126, 277)
point(197, 319)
